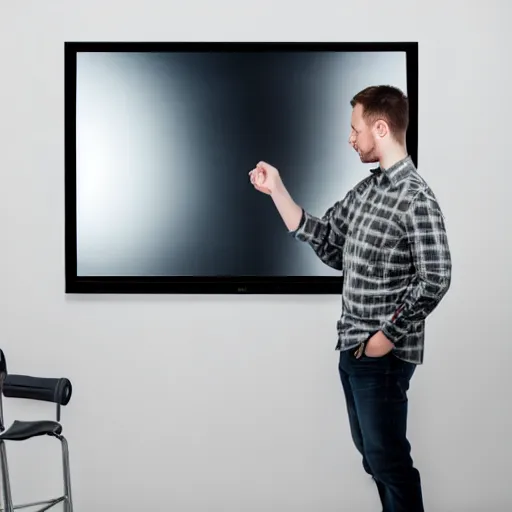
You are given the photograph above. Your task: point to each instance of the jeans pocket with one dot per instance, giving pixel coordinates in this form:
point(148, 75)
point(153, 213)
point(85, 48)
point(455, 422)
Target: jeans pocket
point(360, 353)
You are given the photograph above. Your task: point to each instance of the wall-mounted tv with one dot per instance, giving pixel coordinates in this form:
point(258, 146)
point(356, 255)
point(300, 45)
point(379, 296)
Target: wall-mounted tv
point(159, 141)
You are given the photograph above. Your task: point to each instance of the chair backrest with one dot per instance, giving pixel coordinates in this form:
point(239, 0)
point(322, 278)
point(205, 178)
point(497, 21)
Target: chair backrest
point(3, 375)
point(3, 364)
point(45, 389)
point(56, 390)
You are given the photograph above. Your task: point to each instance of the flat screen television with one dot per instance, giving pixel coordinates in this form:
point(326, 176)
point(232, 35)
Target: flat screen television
point(159, 141)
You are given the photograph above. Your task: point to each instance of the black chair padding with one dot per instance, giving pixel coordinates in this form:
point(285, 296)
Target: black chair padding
point(22, 430)
point(38, 388)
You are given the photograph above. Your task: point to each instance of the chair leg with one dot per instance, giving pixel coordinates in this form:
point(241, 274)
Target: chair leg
point(6, 485)
point(68, 502)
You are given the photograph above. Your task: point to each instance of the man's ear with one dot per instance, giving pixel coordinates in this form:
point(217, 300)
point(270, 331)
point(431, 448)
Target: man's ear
point(381, 128)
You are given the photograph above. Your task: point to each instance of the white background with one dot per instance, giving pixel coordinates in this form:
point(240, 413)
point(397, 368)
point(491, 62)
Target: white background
point(177, 406)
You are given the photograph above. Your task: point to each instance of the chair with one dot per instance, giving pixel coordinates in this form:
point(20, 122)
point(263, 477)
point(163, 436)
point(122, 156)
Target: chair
point(57, 391)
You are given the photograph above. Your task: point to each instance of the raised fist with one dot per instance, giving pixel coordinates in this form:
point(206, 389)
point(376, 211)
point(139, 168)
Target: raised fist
point(265, 178)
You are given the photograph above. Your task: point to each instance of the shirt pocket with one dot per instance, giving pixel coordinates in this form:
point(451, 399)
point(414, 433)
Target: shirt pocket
point(386, 250)
point(390, 259)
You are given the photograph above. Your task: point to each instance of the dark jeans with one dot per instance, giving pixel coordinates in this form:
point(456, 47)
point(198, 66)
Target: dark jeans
point(376, 396)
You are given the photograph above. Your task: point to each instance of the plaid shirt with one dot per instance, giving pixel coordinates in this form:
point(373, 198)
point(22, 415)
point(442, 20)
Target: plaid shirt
point(388, 237)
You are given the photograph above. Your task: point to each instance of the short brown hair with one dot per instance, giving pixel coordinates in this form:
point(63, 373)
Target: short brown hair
point(385, 102)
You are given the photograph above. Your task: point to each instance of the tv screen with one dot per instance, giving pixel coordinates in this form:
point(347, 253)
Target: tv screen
point(159, 141)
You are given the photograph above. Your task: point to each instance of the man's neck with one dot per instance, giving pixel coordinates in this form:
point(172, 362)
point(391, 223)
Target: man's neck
point(393, 156)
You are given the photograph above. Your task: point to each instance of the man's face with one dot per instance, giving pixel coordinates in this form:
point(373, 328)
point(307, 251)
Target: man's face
point(362, 138)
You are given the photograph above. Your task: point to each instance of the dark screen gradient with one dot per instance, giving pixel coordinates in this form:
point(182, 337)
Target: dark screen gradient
point(165, 142)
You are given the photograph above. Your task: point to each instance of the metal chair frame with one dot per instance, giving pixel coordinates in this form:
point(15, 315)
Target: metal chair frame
point(21, 431)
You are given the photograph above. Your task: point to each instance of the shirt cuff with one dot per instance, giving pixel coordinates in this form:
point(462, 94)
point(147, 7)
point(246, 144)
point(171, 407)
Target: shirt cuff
point(298, 232)
point(392, 332)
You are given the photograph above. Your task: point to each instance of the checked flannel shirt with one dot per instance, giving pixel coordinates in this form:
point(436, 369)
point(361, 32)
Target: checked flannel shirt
point(388, 237)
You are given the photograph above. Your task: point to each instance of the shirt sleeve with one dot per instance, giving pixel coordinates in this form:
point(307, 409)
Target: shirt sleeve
point(327, 235)
point(431, 257)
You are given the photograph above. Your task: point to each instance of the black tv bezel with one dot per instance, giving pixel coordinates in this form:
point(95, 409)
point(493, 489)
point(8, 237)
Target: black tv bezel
point(200, 284)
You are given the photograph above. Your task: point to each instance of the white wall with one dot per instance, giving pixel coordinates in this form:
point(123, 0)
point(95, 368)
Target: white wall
point(248, 415)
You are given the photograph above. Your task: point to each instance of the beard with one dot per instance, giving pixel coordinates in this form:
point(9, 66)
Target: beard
point(369, 156)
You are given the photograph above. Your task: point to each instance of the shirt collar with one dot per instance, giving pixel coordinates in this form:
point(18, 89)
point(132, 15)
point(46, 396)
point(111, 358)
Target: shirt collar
point(394, 173)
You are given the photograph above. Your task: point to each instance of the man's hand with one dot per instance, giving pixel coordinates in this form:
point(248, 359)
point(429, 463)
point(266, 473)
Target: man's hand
point(265, 178)
point(378, 345)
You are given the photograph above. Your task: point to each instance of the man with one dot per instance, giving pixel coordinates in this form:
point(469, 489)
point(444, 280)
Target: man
point(389, 238)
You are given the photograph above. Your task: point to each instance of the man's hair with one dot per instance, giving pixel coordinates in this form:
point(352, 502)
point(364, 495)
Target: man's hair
point(385, 102)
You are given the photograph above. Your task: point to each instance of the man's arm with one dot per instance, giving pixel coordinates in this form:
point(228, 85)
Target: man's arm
point(432, 260)
point(326, 235)
point(290, 211)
